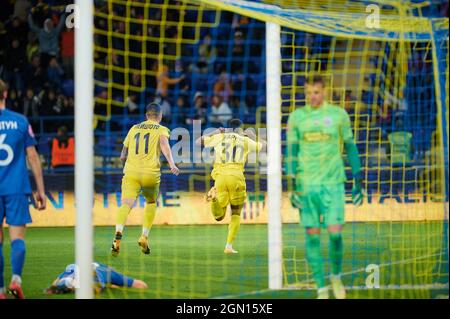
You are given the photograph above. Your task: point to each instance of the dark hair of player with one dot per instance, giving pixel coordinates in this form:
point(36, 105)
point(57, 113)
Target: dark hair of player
point(153, 109)
point(234, 123)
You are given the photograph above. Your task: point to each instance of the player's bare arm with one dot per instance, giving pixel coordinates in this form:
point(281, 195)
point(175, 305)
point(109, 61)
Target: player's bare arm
point(35, 164)
point(201, 139)
point(165, 149)
point(124, 154)
point(250, 133)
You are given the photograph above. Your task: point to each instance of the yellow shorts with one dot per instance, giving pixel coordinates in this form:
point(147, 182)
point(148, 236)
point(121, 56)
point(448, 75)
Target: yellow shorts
point(134, 183)
point(230, 190)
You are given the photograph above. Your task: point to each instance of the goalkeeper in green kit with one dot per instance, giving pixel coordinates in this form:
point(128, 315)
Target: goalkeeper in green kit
point(316, 135)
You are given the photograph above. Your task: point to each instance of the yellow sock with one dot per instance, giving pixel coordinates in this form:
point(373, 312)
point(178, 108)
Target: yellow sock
point(149, 216)
point(122, 216)
point(217, 211)
point(233, 228)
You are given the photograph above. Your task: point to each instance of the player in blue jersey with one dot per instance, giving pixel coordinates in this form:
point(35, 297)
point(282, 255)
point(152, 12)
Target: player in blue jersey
point(104, 277)
point(17, 144)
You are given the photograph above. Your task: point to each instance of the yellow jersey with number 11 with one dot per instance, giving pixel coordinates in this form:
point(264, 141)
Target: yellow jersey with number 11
point(143, 146)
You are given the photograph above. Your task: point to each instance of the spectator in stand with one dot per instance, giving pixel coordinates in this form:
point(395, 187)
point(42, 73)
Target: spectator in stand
point(68, 51)
point(35, 74)
point(135, 92)
point(207, 54)
point(133, 100)
point(238, 107)
point(32, 48)
point(132, 106)
point(223, 87)
point(55, 73)
point(162, 90)
point(18, 30)
point(166, 109)
point(48, 38)
point(238, 52)
point(199, 111)
point(30, 105)
point(48, 103)
point(240, 21)
point(14, 65)
point(13, 102)
point(21, 9)
point(182, 109)
point(163, 81)
point(244, 88)
point(69, 110)
point(63, 149)
point(220, 112)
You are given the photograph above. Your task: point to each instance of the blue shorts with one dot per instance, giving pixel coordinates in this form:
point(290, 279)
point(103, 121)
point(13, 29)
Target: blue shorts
point(16, 210)
point(108, 275)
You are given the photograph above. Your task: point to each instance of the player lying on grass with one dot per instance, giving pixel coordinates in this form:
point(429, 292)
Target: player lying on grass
point(104, 277)
point(142, 172)
point(231, 149)
point(315, 135)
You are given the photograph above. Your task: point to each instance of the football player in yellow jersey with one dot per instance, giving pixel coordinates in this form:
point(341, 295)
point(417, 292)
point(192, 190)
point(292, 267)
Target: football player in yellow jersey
point(231, 148)
point(141, 151)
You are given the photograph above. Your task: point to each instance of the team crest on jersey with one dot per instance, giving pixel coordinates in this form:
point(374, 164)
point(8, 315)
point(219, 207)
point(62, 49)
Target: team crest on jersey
point(327, 121)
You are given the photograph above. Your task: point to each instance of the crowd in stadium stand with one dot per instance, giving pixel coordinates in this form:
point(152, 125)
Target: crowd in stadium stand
point(36, 60)
point(219, 76)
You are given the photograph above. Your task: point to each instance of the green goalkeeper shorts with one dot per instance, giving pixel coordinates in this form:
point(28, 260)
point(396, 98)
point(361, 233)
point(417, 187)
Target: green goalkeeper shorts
point(322, 205)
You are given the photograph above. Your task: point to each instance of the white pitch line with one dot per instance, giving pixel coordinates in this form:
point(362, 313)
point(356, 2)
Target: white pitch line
point(387, 287)
point(381, 265)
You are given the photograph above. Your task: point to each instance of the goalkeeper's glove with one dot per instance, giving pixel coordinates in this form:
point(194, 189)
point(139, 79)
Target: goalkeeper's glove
point(295, 196)
point(295, 200)
point(357, 191)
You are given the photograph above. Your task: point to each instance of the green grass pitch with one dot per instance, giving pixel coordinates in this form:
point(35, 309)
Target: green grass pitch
point(188, 261)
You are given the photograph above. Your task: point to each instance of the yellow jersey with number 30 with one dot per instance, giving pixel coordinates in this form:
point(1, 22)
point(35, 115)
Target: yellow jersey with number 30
point(230, 152)
point(143, 146)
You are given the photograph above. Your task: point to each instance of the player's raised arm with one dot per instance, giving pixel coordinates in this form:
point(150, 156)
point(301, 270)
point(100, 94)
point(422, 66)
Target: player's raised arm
point(35, 164)
point(250, 133)
point(201, 139)
point(165, 149)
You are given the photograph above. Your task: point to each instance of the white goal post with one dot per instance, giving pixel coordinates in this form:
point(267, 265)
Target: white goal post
point(274, 169)
point(84, 142)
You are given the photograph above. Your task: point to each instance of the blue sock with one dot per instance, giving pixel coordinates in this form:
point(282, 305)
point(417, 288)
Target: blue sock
point(17, 256)
point(2, 266)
